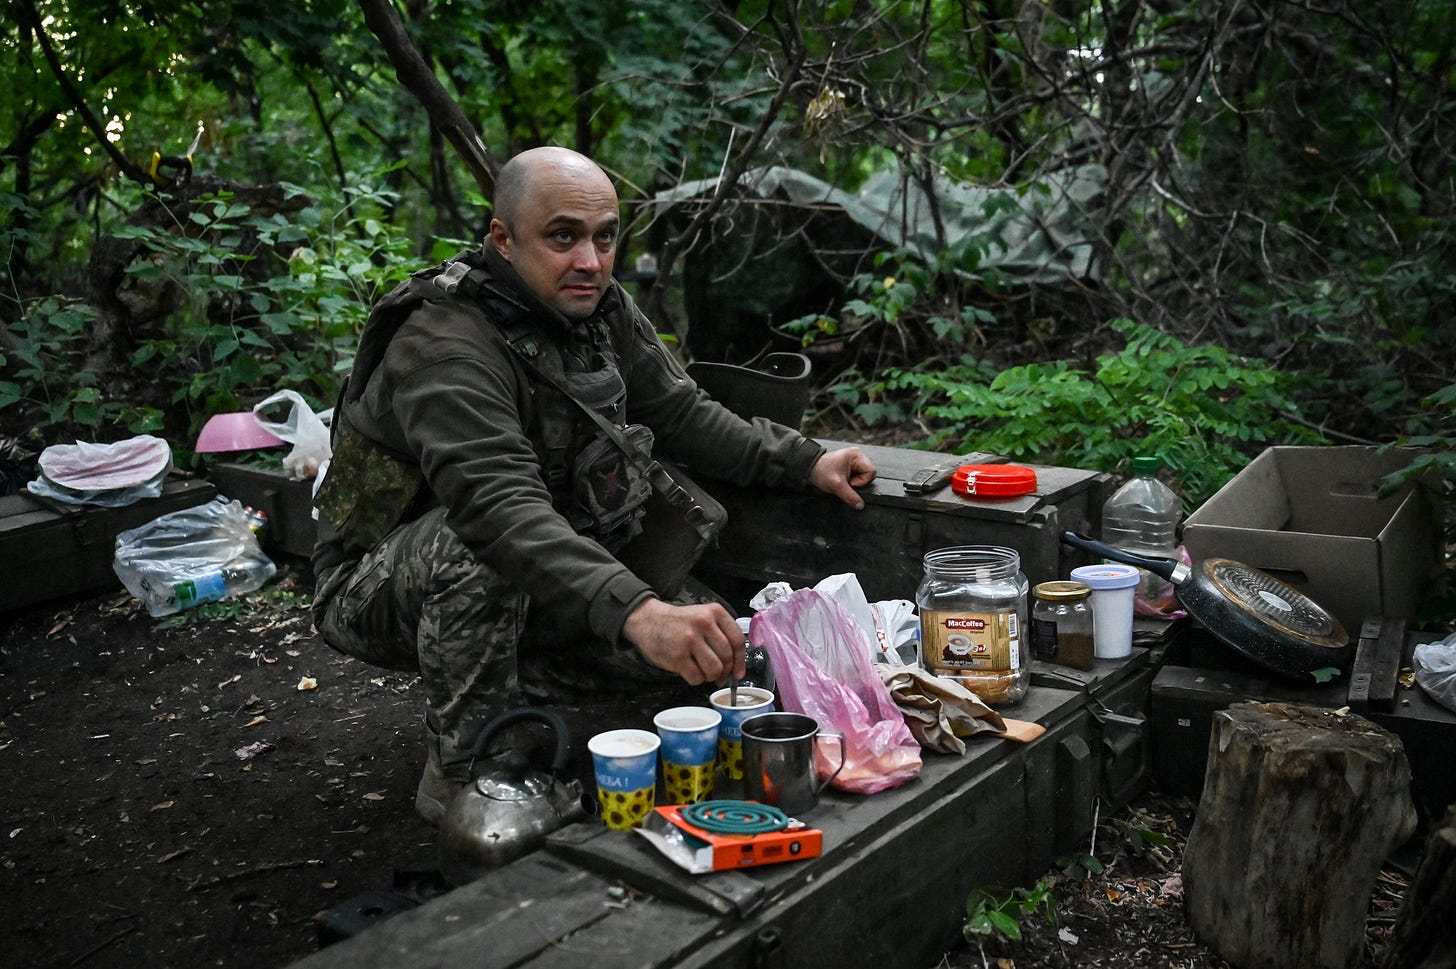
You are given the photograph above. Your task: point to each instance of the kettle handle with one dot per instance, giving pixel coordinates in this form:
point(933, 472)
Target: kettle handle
point(501, 721)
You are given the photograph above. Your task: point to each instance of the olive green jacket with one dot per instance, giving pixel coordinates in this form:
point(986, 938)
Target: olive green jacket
point(445, 394)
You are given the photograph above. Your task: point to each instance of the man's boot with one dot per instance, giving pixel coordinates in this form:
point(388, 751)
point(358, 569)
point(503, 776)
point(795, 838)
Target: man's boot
point(436, 789)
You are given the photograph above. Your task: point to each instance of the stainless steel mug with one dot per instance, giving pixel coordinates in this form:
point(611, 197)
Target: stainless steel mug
point(778, 760)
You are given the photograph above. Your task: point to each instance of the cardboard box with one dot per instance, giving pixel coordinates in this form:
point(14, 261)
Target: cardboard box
point(1312, 517)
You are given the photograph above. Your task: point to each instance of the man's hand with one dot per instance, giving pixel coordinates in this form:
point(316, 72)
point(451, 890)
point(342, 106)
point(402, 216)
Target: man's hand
point(839, 472)
point(700, 643)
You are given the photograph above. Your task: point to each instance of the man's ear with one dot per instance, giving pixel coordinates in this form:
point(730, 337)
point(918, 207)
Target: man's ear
point(500, 238)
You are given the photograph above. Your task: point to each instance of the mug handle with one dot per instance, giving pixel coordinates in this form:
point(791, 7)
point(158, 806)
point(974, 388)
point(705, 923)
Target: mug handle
point(819, 788)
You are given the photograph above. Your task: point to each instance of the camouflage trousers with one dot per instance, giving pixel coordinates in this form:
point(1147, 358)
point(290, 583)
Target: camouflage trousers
point(421, 601)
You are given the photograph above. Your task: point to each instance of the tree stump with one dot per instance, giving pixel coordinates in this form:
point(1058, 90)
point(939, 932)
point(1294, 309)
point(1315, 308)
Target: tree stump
point(1425, 931)
point(1300, 806)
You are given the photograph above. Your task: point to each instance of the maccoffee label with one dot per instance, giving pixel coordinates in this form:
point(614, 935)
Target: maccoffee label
point(958, 642)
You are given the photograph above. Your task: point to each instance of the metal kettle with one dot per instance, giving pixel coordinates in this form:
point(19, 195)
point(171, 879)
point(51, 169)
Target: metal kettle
point(507, 812)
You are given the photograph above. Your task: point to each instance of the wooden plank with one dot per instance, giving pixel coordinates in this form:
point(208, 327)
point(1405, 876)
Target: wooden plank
point(1385, 674)
point(527, 911)
point(1362, 669)
point(640, 932)
point(634, 861)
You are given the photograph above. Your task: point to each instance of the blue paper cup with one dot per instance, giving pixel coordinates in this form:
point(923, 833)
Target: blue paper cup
point(689, 752)
point(625, 762)
point(752, 700)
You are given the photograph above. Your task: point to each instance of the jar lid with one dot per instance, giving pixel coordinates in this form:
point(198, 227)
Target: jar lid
point(993, 480)
point(1107, 575)
point(1062, 591)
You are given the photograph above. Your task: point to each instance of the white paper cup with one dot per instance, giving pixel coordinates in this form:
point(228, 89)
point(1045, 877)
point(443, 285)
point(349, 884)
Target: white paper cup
point(1114, 587)
point(689, 752)
point(625, 763)
point(752, 700)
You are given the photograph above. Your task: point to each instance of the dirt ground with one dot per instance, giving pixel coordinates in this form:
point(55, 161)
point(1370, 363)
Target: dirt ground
point(199, 791)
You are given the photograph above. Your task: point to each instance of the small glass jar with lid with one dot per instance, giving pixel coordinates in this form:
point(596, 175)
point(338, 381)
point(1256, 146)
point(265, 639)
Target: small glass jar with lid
point(1061, 624)
point(973, 615)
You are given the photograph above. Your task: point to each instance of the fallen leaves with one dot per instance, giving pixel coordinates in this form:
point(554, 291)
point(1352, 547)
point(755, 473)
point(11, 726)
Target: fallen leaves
point(174, 855)
point(164, 806)
point(230, 681)
point(307, 683)
point(252, 750)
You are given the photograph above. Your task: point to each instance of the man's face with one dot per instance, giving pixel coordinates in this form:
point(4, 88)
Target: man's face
point(565, 239)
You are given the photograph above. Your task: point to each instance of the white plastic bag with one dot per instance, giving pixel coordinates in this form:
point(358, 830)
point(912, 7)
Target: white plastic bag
point(1435, 666)
point(185, 558)
point(110, 475)
point(306, 431)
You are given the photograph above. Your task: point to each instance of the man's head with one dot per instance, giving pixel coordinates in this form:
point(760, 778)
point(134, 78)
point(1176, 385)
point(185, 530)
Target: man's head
point(556, 222)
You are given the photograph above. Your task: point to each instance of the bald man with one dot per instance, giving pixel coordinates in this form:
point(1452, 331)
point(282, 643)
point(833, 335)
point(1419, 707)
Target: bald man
point(471, 512)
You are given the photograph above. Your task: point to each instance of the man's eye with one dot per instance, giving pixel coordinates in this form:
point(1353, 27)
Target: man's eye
point(563, 236)
point(607, 238)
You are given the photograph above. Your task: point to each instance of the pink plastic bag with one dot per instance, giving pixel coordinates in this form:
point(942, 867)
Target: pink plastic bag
point(823, 669)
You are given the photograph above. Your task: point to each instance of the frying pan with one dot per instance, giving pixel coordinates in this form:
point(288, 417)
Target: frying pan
point(1265, 620)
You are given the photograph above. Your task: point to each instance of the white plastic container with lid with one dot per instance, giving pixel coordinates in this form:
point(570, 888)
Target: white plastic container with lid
point(1142, 516)
point(1113, 585)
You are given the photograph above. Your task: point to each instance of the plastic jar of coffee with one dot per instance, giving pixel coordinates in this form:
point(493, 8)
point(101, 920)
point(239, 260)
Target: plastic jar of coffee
point(973, 614)
point(1061, 624)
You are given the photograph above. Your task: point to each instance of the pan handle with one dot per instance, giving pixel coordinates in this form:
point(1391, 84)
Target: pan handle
point(1171, 569)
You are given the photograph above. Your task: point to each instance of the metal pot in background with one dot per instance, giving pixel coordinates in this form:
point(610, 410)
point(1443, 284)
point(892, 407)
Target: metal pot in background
point(507, 812)
point(1269, 622)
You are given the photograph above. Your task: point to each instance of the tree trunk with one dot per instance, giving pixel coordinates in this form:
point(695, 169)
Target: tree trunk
point(1300, 806)
point(420, 80)
point(1425, 933)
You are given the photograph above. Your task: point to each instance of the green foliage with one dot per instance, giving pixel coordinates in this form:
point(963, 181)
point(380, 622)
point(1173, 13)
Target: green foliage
point(258, 302)
point(993, 912)
point(1199, 408)
point(1080, 866)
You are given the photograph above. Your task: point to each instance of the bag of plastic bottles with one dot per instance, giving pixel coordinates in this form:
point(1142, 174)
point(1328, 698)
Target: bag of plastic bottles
point(196, 555)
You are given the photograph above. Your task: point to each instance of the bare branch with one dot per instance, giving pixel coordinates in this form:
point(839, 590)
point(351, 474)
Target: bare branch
point(417, 77)
point(78, 101)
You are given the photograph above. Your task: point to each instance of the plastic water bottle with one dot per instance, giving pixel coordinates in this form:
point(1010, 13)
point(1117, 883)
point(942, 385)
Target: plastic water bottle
point(242, 575)
point(1142, 516)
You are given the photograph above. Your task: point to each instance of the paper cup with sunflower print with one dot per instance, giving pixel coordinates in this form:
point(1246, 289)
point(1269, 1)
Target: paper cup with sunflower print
point(689, 752)
point(752, 700)
point(625, 762)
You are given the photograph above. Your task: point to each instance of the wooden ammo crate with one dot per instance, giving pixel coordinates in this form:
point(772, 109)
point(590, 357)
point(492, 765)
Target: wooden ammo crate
point(288, 503)
point(51, 550)
point(801, 537)
point(1117, 692)
point(888, 892)
point(1184, 699)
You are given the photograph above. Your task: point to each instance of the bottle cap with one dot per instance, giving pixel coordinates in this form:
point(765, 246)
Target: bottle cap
point(1146, 464)
point(993, 480)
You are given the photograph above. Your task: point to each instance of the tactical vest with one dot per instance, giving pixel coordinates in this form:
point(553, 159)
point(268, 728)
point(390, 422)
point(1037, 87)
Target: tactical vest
point(369, 489)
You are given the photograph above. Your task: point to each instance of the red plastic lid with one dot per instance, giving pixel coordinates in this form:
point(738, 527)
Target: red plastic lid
point(993, 480)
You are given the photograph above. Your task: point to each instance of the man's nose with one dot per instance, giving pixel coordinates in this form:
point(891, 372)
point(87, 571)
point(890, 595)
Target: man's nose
point(588, 259)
